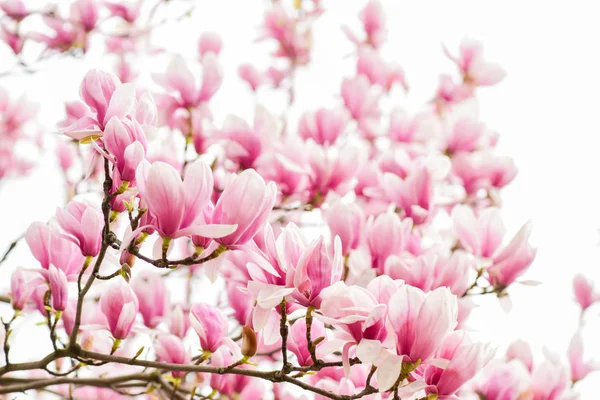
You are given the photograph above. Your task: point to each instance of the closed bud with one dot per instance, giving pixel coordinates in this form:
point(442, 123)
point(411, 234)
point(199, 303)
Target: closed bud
point(249, 342)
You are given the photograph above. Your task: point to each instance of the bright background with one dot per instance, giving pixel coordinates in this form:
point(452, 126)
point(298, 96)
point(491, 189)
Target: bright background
point(545, 111)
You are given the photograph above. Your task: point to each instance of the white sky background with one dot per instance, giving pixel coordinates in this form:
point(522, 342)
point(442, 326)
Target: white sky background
point(545, 111)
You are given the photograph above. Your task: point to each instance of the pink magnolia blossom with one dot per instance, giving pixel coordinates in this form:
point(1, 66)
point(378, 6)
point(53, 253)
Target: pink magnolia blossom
point(482, 235)
point(379, 72)
point(210, 324)
point(22, 284)
point(84, 223)
point(431, 271)
point(251, 75)
point(250, 189)
point(372, 17)
point(152, 295)
point(520, 350)
point(178, 321)
point(106, 97)
point(323, 126)
point(245, 144)
point(14, 9)
point(128, 10)
point(512, 260)
point(293, 43)
point(297, 343)
point(59, 289)
point(580, 368)
point(346, 221)
point(403, 128)
point(316, 270)
point(421, 321)
point(466, 134)
point(63, 37)
point(585, 294)
point(387, 235)
point(414, 195)
point(120, 306)
point(85, 12)
point(11, 38)
point(483, 170)
point(48, 246)
point(549, 381)
point(170, 348)
point(177, 204)
point(209, 42)
point(180, 79)
point(360, 100)
point(504, 381)
point(126, 141)
point(474, 68)
point(466, 360)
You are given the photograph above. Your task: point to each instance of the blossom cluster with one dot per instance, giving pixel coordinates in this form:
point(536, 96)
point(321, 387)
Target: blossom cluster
point(372, 305)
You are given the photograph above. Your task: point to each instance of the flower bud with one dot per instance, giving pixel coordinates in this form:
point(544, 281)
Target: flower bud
point(249, 342)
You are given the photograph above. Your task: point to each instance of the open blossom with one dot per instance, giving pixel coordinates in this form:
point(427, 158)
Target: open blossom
point(372, 17)
point(387, 235)
point(360, 100)
point(120, 306)
point(14, 9)
point(210, 324)
point(347, 222)
point(22, 284)
point(153, 297)
point(378, 71)
point(179, 79)
point(504, 381)
point(106, 97)
point(483, 170)
point(177, 204)
point(512, 260)
point(414, 195)
point(209, 42)
point(323, 126)
point(481, 235)
point(258, 197)
point(520, 350)
point(466, 360)
point(128, 10)
point(84, 223)
point(49, 246)
point(316, 270)
point(474, 68)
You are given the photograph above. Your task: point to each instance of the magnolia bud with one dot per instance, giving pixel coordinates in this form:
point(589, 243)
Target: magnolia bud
point(249, 342)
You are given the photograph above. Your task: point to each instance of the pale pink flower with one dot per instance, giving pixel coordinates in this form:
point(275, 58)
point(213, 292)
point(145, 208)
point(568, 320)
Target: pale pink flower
point(421, 321)
point(386, 235)
point(504, 381)
point(120, 306)
point(549, 381)
point(466, 134)
point(178, 321)
point(244, 144)
point(59, 289)
point(129, 10)
point(474, 68)
point(360, 100)
point(64, 35)
point(177, 204)
point(84, 223)
point(512, 260)
point(209, 42)
point(180, 79)
point(85, 12)
point(286, 166)
point(580, 368)
point(466, 360)
point(150, 289)
point(170, 349)
point(433, 270)
point(22, 284)
point(414, 194)
point(250, 189)
point(12, 39)
point(403, 128)
point(585, 294)
point(126, 141)
point(372, 17)
point(520, 350)
point(378, 71)
point(323, 126)
point(14, 9)
point(297, 343)
point(347, 222)
point(49, 246)
point(210, 324)
point(251, 75)
point(481, 235)
point(483, 170)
